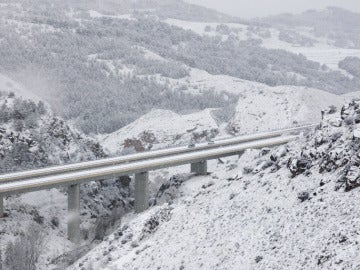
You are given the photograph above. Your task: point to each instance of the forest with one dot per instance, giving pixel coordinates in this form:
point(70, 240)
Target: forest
point(99, 71)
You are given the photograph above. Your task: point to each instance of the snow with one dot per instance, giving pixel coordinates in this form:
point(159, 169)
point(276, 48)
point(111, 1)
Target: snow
point(48, 204)
point(279, 107)
point(200, 80)
point(322, 52)
point(259, 108)
point(9, 85)
point(168, 128)
point(199, 27)
point(230, 220)
point(96, 14)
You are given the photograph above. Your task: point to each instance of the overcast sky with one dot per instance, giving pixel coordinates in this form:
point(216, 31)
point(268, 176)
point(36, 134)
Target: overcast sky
point(260, 8)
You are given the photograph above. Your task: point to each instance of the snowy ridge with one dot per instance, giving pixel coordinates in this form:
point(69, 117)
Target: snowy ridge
point(259, 108)
point(269, 108)
point(161, 128)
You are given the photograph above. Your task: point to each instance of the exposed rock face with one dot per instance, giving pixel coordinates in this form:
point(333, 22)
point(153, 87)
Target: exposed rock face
point(334, 147)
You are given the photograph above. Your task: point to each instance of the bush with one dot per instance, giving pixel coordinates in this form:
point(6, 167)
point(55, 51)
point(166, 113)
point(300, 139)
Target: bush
point(104, 223)
point(24, 252)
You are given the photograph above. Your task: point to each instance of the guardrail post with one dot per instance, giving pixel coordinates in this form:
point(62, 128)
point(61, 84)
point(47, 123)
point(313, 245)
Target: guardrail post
point(141, 192)
point(74, 213)
point(1, 206)
point(199, 168)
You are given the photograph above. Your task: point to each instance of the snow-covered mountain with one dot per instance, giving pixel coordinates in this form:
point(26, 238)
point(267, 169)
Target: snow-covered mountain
point(149, 74)
point(259, 108)
point(141, 55)
point(270, 209)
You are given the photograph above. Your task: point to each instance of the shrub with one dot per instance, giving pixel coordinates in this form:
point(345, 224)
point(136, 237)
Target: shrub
point(24, 252)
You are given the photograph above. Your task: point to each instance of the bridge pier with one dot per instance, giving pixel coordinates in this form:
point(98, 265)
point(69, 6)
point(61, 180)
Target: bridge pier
point(74, 213)
point(199, 168)
point(1, 206)
point(141, 192)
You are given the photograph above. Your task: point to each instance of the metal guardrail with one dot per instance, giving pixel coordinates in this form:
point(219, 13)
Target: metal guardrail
point(135, 167)
point(139, 164)
point(144, 155)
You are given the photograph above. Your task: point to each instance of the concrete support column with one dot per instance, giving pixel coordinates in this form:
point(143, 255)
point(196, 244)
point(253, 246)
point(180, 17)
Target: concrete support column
point(199, 168)
point(1, 206)
point(74, 213)
point(141, 192)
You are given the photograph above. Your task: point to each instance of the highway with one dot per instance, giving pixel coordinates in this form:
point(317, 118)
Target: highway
point(72, 178)
point(72, 175)
point(146, 155)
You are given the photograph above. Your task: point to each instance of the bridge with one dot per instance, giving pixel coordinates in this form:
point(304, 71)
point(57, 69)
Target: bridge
point(73, 175)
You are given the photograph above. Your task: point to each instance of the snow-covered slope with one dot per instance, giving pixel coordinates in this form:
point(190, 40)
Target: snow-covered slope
point(283, 208)
point(322, 50)
point(259, 108)
point(30, 137)
point(161, 128)
point(279, 107)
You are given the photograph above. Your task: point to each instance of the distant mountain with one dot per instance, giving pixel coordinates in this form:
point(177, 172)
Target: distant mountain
point(162, 8)
point(104, 69)
point(339, 25)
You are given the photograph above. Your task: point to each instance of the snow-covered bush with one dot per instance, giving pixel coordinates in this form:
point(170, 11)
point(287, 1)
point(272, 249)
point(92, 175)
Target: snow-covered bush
point(24, 252)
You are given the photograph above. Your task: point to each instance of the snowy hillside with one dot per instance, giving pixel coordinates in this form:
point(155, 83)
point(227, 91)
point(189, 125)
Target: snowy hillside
point(315, 48)
point(160, 129)
point(104, 64)
point(259, 108)
point(280, 107)
point(32, 137)
point(270, 209)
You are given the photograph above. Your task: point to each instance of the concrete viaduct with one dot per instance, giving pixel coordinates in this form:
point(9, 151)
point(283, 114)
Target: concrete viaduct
point(139, 164)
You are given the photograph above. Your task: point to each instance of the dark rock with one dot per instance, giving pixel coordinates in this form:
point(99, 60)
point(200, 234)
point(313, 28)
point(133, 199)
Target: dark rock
point(247, 170)
point(336, 136)
point(304, 196)
point(264, 151)
point(299, 166)
point(125, 180)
